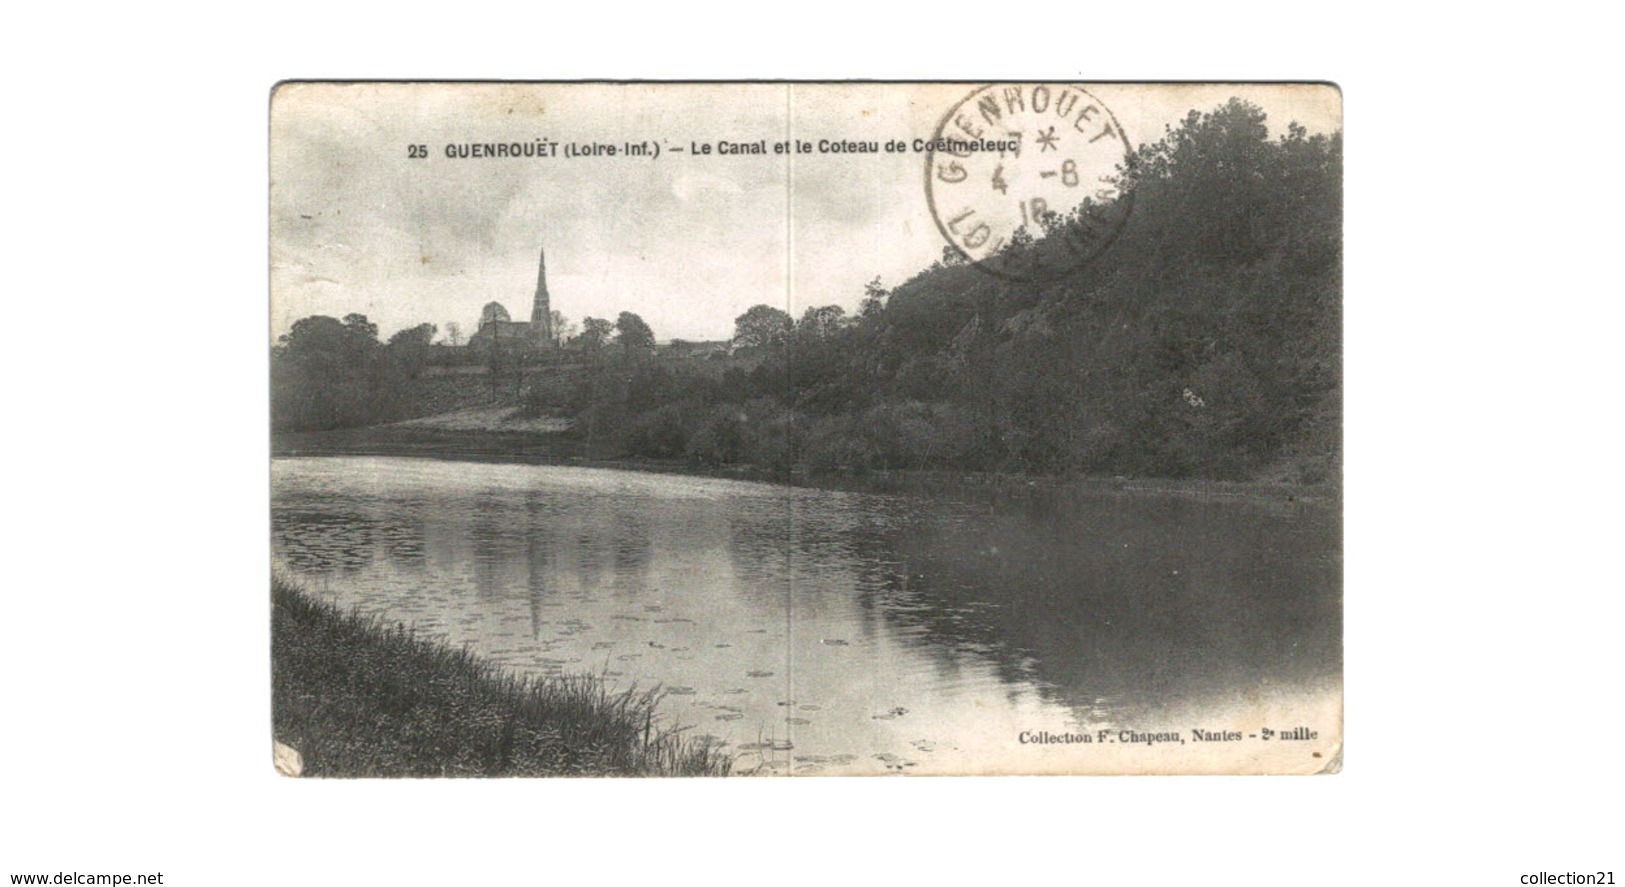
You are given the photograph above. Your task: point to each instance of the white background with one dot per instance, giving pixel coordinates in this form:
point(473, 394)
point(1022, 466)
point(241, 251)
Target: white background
point(1483, 519)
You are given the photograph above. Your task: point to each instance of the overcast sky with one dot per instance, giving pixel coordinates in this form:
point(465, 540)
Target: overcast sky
point(687, 242)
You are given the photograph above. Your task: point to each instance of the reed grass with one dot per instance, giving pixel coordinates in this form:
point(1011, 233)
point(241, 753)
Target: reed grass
point(356, 696)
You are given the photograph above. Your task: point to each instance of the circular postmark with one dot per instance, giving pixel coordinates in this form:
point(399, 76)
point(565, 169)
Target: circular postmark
point(1027, 181)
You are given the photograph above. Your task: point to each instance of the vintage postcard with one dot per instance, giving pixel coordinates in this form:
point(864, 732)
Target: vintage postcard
point(797, 429)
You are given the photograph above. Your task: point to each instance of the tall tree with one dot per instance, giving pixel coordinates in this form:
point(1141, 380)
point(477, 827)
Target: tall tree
point(595, 333)
point(409, 348)
point(761, 326)
point(822, 322)
point(633, 335)
point(874, 292)
point(325, 373)
point(563, 329)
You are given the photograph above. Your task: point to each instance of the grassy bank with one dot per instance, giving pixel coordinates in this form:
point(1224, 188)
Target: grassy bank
point(357, 697)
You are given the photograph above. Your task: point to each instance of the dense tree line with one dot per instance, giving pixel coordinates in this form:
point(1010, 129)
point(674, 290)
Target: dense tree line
point(1204, 342)
point(329, 373)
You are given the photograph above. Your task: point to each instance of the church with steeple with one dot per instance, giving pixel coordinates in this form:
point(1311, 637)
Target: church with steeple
point(495, 325)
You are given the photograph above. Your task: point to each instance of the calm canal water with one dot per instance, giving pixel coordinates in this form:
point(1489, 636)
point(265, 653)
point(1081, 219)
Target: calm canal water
point(828, 632)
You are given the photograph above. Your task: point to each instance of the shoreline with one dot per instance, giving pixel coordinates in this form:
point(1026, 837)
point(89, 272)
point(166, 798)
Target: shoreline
point(355, 696)
point(556, 449)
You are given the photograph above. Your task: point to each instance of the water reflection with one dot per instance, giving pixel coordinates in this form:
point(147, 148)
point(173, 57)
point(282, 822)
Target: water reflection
point(832, 632)
point(1115, 597)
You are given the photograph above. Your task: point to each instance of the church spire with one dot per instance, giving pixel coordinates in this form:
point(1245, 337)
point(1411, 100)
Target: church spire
point(541, 311)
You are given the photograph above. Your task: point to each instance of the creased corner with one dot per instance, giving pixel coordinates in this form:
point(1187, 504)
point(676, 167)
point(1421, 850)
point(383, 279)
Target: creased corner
point(287, 759)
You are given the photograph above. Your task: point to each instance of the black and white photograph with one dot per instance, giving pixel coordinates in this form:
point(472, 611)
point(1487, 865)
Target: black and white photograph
point(785, 429)
point(944, 444)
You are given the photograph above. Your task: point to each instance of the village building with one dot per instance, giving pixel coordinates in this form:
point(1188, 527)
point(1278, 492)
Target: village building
point(537, 333)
